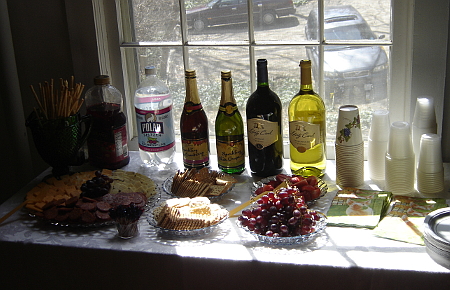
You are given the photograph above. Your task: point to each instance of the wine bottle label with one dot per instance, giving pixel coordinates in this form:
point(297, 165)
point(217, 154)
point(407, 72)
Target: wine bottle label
point(262, 133)
point(195, 152)
point(155, 129)
point(230, 153)
point(190, 107)
point(229, 109)
point(304, 135)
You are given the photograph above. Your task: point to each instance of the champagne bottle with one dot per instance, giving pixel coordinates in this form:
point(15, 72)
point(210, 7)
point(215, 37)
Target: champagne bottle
point(307, 127)
point(194, 127)
point(229, 130)
point(265, 143)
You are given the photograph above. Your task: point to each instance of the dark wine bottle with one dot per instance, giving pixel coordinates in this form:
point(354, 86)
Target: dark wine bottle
point(229, 130)
point(194, 127)
point(265, 143)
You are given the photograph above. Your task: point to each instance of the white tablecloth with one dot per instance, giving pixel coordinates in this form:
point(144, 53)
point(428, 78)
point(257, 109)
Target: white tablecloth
point(36, 254)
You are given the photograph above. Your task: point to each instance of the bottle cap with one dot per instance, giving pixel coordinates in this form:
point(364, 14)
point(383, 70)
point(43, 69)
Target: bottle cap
point(261, 71)
point(306, 63)
point(101, 80)
point(261, 61)
point(190, 73)
point(226, 73)
point(150, 70)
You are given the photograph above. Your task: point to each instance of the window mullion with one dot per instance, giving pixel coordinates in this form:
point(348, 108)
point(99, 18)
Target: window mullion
point(321, 47)
point(130, 69)
point(184, 33)
point(251, 46)
point(102, 37)
point(401, 65)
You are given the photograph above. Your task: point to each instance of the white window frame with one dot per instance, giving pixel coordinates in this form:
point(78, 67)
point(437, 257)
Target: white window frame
point(405, 66)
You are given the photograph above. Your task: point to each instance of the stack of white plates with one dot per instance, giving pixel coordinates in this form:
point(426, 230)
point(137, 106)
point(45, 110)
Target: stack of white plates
point(437, 236)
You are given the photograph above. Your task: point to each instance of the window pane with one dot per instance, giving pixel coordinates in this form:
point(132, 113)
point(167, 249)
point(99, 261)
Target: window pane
point(353, 72)
point(281, 20)
point(355, 20)
point(169, 68)
point(208, 62)
point(156, 20)
point(357, 76)
point(217, 20)
point(284, 73)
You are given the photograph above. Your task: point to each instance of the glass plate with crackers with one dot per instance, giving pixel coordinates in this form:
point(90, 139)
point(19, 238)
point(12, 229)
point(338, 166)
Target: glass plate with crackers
point(173, 218)
point(204, 182)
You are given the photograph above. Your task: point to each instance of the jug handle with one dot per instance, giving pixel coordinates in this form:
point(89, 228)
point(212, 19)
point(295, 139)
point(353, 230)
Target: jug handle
point(87, 119)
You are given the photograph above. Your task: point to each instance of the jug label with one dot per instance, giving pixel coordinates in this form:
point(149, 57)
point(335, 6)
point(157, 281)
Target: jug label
point(155, 129)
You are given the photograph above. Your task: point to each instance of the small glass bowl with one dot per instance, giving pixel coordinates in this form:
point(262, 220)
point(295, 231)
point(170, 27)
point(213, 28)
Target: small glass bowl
point(322, 185)
point(182, 233)
point(286, 241)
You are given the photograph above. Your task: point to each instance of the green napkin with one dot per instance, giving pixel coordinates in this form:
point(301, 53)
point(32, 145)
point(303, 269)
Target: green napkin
point(353, 207)
point(405, 221)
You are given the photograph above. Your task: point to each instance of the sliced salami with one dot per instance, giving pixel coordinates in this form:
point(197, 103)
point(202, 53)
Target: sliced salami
point(89, 206)
point(101, 215)
point(51, 213)
point(88, 217)
point(75, 214)
point(103, 206)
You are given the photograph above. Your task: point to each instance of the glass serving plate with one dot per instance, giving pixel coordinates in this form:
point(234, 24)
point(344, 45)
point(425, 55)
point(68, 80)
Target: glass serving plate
point(286, 241)
point(322, 185)
point(167, 187)
point(181, 233)
point(151, 201)
point(73, 225)
point(127, 181)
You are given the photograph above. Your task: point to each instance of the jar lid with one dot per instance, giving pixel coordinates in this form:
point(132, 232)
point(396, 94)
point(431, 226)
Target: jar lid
point(101, 80)
point(150, 70)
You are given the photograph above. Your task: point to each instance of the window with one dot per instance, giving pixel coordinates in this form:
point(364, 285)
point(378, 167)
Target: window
point(350, 43)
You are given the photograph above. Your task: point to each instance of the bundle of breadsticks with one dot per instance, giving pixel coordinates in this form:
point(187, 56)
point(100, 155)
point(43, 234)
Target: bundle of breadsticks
point(54, 103)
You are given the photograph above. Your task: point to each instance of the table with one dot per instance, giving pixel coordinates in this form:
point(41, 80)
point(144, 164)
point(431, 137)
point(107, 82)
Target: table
point(39, 255)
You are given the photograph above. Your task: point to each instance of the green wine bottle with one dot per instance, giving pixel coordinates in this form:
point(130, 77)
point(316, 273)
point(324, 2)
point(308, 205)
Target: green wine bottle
point(307, 127)
point(265, 142)
point(229, 130)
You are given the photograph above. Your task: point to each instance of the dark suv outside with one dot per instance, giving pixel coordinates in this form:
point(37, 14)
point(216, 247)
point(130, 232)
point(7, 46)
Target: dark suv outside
point(221, 12)
point(352, 74)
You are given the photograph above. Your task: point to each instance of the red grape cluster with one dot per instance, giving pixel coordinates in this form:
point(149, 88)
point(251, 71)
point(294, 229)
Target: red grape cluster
point(308, 187)
point(280, 214)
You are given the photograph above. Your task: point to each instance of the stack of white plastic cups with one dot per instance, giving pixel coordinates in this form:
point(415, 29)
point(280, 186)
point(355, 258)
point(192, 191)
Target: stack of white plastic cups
point(349, 148)
point(400, 160)
point(424, 121)
point(377, 145)
point(430, 169)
